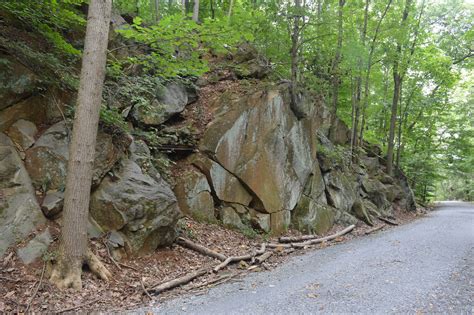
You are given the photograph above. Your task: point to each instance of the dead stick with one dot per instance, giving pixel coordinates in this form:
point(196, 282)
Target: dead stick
point(129, 267)
point(9, 279)
point(37, 288)
point(293, 239)
point(388, 221)
point(374, 229)
point(239, 258)
point(144, 289)
point(276, 245)
point(177, 282)
point(110, 256)
point(200, 249)
point(260, 259)
point(323, 239)
point(77, 306)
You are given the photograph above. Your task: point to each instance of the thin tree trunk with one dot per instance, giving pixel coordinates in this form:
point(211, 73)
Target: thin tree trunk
point(397, 80)
point(337, 60)
point(157, 10)
point(369, 68)
point(294, 53)
point(73, 246)
point(229, 13)
point(356, 113)
point(213, 13)
point(196, 11)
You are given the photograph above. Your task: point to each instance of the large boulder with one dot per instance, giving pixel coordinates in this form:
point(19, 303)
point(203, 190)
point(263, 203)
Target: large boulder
point(143, 209)
point(23, 133)
point(313, 214)
point(259, 140)
point(18, 81)
point(33, 109)
point(341, 188)
point(170, 101)
point(20, 213)
point(46, 161)
point(225, 185)
point(194, 195)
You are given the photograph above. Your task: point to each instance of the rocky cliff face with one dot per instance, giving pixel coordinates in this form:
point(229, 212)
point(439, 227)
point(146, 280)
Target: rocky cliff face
point(272, 169)
point(259, 165)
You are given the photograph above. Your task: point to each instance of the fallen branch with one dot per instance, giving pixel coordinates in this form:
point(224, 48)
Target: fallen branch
point(293, 239)
point(388, 221)
point(200, 249)
point(129, 267)
point(157, 289)
point(260, 259)
point(239, 258)
point(110, 255)
point(374, 229)
point(37, 288)
point(144, 289)
point(278, 245)
point(324, 239)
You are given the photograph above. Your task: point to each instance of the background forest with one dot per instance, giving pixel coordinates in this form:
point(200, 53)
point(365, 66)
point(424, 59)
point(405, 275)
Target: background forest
point(399, 73)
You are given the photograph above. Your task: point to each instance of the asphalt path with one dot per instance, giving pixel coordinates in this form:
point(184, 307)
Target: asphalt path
point(426, 267)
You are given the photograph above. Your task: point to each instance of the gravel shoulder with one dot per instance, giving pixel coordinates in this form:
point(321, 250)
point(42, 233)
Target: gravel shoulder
point(425, 266)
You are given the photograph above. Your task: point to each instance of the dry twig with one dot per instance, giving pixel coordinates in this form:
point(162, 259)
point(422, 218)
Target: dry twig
point(37, 288)
point(200, 249)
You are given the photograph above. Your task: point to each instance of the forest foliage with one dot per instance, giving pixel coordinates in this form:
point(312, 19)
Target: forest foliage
point(353, 53)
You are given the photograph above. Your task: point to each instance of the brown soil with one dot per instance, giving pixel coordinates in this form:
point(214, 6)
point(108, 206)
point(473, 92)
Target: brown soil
point(19, 282)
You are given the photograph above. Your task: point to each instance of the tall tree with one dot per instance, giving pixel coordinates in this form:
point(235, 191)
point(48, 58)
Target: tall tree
point(73, 251)
point(397, 82)
point(196, 11)
point(336, 78)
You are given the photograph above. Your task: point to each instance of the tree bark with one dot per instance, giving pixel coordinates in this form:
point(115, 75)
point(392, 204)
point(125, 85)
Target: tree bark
point(369, 68)
point(337, 59)
point(196, 11)
point(229, 13)
point(295, 35)
point(73, 247)
point(397, 80)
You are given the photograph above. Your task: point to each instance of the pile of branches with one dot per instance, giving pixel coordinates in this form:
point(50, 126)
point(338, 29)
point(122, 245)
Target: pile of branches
point(256, 257)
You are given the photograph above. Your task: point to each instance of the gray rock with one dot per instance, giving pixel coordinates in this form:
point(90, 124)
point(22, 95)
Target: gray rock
point(20, 213)
point(225, 185)
point(360, 211)
point(35, 248)
point(23, 133)
point(194, 196)
point(18, 81)
point(341, 188)
point(46, 161)
point(52, 203)
point(272, 159)
point(230, 217)
point(144, 210)
point(260, 220)
point(171, 100)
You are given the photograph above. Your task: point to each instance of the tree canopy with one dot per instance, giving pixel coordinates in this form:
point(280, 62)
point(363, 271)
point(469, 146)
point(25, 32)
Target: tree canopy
point(404, 65)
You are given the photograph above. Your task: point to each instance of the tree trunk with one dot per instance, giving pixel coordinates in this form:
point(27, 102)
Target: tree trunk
point(337, 60)
point(294, 53)
point(213, 13)
point(229, 13)
point(196, 11)
point(73, 247)
point(157, 10)
point(369, 68)
point(356, 113)
point(397, 81)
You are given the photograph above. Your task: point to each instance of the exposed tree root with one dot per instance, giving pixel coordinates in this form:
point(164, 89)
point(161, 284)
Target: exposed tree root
point(96, 266)
point(68, 275)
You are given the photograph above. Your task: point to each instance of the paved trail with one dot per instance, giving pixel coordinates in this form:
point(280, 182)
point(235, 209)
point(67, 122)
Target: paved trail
point(427, 266)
